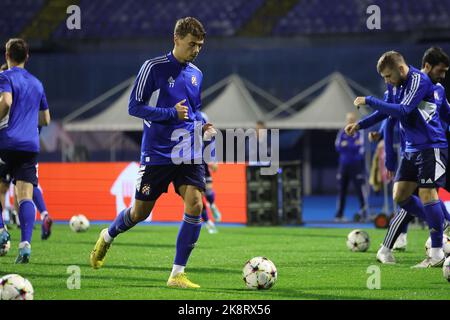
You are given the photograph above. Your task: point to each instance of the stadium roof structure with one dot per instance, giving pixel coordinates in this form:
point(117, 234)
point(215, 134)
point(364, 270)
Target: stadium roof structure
point(233, 107)
point(114, 118)
point(326, 111)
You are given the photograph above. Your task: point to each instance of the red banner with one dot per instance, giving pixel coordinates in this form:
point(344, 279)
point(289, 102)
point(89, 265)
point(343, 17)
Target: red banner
point(101, 190)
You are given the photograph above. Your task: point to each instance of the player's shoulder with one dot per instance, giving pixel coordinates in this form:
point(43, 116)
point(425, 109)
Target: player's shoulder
point(439, 87)
point(155, 63)
point(418, 76)
point(193, 66)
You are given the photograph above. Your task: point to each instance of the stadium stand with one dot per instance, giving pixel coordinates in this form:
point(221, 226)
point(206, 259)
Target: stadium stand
point(135, 19)
point(349, 16)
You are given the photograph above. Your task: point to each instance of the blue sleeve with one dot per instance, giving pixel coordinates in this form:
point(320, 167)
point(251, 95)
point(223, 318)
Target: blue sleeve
point(371, 120)
point(444, 111)
point(142, 90)
point(338, 141)
point(414, 94)
point(381, 130)
point(5, 85)
point(198, 117)
point(391, 155)
point(198, 106)
point(43, 105)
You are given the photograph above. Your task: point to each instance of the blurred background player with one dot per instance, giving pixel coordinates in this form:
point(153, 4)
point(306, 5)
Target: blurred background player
point(46, 225)
point(171, 84)
point(209, 193)
point(20, 116)
point(351, 169)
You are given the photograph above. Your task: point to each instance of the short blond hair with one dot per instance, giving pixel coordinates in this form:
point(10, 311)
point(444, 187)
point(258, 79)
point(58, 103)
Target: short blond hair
point(390, 59)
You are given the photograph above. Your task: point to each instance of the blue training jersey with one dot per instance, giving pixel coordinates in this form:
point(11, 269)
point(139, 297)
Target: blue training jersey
point(162, 82)
point(19, 129)
point(417, 112)
point(350, 148)
point(443, 110)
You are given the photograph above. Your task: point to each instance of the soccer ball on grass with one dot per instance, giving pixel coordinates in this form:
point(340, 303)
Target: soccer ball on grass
point(358, 241)
point(15, 287)
point(79, 223)
point(259, 273)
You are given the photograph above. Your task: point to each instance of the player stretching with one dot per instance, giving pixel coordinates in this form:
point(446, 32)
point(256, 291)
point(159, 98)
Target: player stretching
point(166, 95)
point(20, 115)
point(425, 156)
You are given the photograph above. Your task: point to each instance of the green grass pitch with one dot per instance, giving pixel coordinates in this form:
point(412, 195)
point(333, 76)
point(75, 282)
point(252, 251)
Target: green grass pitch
point(311, 263)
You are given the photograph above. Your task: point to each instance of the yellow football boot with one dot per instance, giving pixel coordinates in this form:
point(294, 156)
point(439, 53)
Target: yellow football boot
point(181, 281)
point(99, 253)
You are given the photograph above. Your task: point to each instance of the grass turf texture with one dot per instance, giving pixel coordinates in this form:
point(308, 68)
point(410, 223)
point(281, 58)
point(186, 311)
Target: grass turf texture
point(311, 263)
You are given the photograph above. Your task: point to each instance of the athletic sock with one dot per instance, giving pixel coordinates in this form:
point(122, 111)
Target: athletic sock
point(187, 237)
point(38, 200)
point(121, 224)
point(27, 216)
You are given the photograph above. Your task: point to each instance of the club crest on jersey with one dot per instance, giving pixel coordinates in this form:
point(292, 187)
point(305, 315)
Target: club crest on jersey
point(171, 82)
point(194, 80)
point(145, 189)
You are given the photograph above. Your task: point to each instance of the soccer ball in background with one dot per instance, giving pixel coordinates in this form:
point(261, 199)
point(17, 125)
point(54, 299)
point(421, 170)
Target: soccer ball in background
point(446, 269)
point(445, 245)
point(79, 223)
point(259, 273)
point(4, 246)
point(358, 240)
point(15, 287)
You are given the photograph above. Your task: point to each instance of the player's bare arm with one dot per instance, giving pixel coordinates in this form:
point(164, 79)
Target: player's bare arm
point(5, 103)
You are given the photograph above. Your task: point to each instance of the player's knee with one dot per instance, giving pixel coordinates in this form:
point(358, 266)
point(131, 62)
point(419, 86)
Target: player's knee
point(195, 207)
point(428, 195)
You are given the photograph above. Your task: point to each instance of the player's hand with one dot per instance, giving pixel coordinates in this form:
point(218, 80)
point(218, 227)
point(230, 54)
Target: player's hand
point(359, 101)
point(182, 110)
point(208, 131)
point(390, 174)
point(207, 126)
point(351, 129)
point(374, 136)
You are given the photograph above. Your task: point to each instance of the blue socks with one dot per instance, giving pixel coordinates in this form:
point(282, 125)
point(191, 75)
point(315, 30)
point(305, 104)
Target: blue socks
point(39, 200)
point(121, 224)
point(27, 215)
point(445, 211)
point(2, 224)
point(210, 196)
point(187, 237)
point(414, 206)
point(435, 220)
point(204, 214)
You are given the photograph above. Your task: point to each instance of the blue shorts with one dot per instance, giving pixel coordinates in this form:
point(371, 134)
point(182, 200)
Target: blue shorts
point(426, 168)
point(20, 165)
point(208, 174)
point(154, 180)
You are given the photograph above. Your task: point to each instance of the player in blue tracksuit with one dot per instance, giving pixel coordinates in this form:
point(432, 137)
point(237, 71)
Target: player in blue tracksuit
point(166, 95)
point(423, 162)
point(23, 106)
point(351, 168)
point(435, 64)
